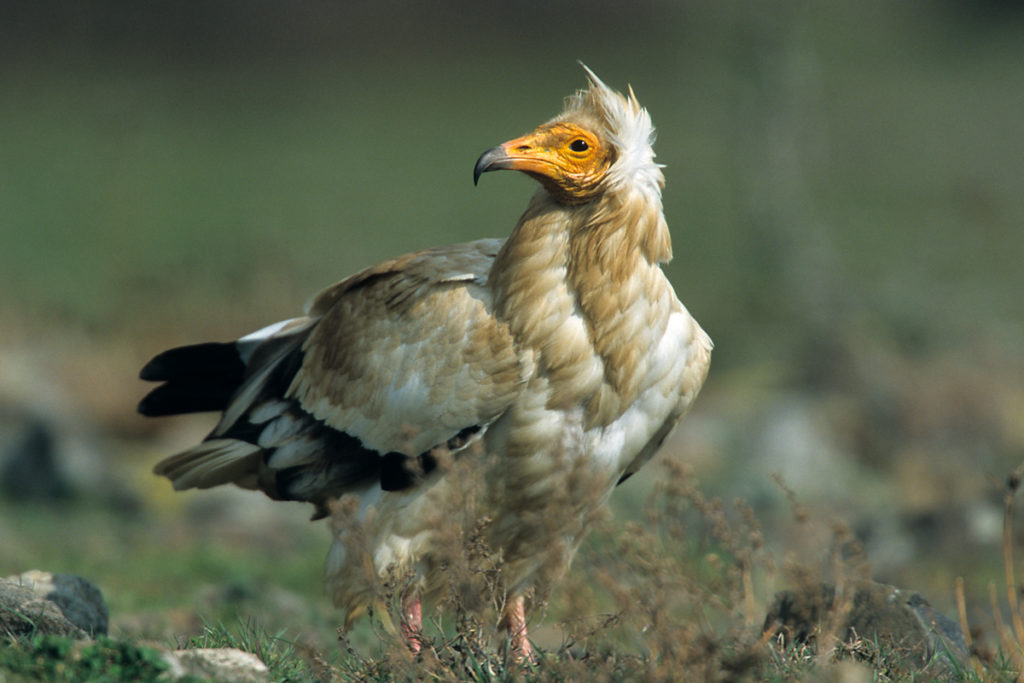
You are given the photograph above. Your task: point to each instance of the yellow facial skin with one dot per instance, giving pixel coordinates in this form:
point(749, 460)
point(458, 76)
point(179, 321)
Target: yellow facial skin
point(567, 159)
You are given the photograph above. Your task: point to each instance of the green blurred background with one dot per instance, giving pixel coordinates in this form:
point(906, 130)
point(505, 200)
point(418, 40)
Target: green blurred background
point(845, 188)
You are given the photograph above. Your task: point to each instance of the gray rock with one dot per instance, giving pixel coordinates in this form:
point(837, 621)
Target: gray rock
point(924, 639)
point(77, 600)
point(219, 664)
point(23, 612)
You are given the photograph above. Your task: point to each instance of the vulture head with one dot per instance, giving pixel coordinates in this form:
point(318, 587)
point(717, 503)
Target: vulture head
point(600, 142)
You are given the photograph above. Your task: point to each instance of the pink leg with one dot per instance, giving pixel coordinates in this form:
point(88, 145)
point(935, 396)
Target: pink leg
point(515, 622)
point(412, 622)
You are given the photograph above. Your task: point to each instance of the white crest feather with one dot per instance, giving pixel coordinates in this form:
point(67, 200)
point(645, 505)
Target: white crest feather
point(629, 127)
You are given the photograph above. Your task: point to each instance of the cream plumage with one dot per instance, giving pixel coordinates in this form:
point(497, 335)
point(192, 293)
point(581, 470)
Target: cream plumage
point(557, 361)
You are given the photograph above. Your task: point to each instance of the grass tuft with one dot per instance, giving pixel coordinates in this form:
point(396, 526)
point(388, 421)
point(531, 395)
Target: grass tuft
point(59, 658)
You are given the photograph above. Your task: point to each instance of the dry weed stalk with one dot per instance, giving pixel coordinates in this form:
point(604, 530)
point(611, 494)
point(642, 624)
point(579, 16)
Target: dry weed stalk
point(683, 585)
point(845, 554)
point(1013, 484)
point(961, 611)
point(1010, 637)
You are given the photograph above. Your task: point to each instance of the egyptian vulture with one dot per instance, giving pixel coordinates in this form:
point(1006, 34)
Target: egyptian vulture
point(554, 362)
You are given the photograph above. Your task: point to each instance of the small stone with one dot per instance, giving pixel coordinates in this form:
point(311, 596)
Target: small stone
point(221, 664)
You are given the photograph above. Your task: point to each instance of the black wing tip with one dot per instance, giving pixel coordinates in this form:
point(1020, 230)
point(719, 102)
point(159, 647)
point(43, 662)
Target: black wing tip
point(195, 360)
point(145, 407)
point(154, 371)
point(197, 378)
point(178, 398)
point(165, 365)
point(187, 394)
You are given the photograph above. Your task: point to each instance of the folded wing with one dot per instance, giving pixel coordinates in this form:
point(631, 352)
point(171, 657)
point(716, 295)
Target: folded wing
point(389, 366)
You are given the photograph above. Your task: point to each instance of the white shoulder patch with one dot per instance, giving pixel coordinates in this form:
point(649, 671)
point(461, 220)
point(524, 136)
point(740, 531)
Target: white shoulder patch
point(462, 277)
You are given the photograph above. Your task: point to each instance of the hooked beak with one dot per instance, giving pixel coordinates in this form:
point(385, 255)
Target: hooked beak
point(527, 153)
point(494, 159)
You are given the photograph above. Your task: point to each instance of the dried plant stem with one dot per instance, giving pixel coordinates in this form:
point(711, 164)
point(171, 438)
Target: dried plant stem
point(1009, 646)
point(749, 603)
point(1013, 645)
point(961, 610)
point(1011, 579)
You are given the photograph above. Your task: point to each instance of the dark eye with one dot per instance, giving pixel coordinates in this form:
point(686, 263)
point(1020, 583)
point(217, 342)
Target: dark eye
point(579, 145)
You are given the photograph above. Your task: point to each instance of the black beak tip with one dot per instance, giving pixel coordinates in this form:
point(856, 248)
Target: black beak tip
point(488, 161)
point(481, 167)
